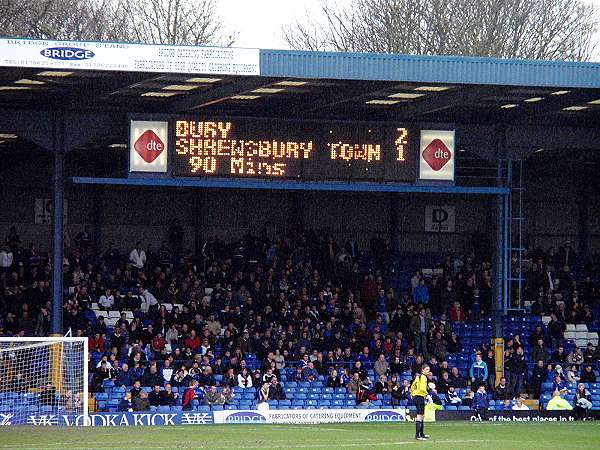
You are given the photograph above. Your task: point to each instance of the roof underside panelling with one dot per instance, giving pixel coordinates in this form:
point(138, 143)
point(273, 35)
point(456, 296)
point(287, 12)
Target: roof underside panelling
point(432, 69)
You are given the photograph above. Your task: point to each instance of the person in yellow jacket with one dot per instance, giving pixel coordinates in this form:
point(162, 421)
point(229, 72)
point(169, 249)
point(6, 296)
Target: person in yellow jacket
point(418, 391)
point(557, 403)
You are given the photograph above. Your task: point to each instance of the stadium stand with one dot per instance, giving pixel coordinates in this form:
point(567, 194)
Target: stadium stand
point(281, 314)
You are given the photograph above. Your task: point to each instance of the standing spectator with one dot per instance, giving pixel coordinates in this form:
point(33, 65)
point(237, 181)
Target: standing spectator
point(421, 293)
point(419, 326)
point(137, 256)
point(478, 371)
point(190, 397)
point(556, 330)
point(518, 372)
point(457, 313)
point(540, 352)
point(480, 402)
point(539, 376)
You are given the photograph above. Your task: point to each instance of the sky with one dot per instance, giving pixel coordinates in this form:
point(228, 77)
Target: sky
point(259, 22)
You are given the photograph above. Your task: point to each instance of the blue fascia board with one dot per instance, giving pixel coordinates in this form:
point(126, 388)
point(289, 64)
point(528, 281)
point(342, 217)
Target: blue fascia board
point(225, 183)
point(428, 69)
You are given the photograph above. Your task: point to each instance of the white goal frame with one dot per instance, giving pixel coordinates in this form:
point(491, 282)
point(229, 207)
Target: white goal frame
point(54, 340)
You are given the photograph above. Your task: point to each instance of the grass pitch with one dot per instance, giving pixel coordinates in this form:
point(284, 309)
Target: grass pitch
point(444, 436)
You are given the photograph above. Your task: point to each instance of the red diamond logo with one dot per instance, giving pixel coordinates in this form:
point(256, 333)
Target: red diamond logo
point(436, 154)
point(149, 146)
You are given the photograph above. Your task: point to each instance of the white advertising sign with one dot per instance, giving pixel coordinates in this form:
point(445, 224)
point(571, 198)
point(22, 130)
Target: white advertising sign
point(46, 54)
point(305, 416)
point(436, 155)
point(148, 146)
point(440, 219)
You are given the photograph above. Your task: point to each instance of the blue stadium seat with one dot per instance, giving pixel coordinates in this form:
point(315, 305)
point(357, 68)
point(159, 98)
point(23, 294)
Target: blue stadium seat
point(216, 408)
point(230, 407)
point(202, 408)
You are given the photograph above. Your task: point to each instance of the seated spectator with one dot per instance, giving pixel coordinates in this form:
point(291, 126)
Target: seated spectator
point(151, 376)
point(334, 381)
point(559, 356)
point(452, 397)
point(454, 345)
point(560, 386)
point(276, 391)
point(401, 392)
point(262, 396)
point(382, 386)
point(468, 398)
point(136, 389)
point(519, 405)
point(381, 366)
point(587, 375)
point(557, 403)
point(456, 379)
point(167, 396)
point(572, 375)
point(575, 357)
point(107, 300)
point(126, 404)
point(213, 397)
point(298, 374)
point(590, 355)
point(244, 379)
point(582, 402)
point(443, 384)
point(154, 396)
point(354, 383)
point(502, 391)
point(309, 373)
point(364, 396)
point(140, 402)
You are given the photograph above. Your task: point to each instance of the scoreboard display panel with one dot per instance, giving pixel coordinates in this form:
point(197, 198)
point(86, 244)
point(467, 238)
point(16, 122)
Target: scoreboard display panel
point(307, 151)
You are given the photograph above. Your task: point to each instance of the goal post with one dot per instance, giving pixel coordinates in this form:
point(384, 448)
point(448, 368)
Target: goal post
point(43, 377)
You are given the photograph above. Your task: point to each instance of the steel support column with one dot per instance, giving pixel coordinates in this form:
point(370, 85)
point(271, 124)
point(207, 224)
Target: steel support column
point(58, 195)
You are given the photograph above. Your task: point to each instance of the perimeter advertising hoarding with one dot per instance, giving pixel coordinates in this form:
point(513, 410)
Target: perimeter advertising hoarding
point(310, 416)
point(114, 56)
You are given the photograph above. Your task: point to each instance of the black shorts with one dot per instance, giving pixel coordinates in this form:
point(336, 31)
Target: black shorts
point(420, 404)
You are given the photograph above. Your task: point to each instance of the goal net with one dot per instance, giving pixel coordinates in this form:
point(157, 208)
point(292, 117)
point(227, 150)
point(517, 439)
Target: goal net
point(43, 381)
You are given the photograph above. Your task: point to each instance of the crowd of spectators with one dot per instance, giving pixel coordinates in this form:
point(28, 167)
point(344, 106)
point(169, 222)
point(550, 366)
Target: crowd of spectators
point(299, 299)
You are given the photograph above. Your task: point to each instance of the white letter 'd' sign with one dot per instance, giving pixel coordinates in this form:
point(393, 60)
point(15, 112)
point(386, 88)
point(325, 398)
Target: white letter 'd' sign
point(148, 146)
point(436, 155)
